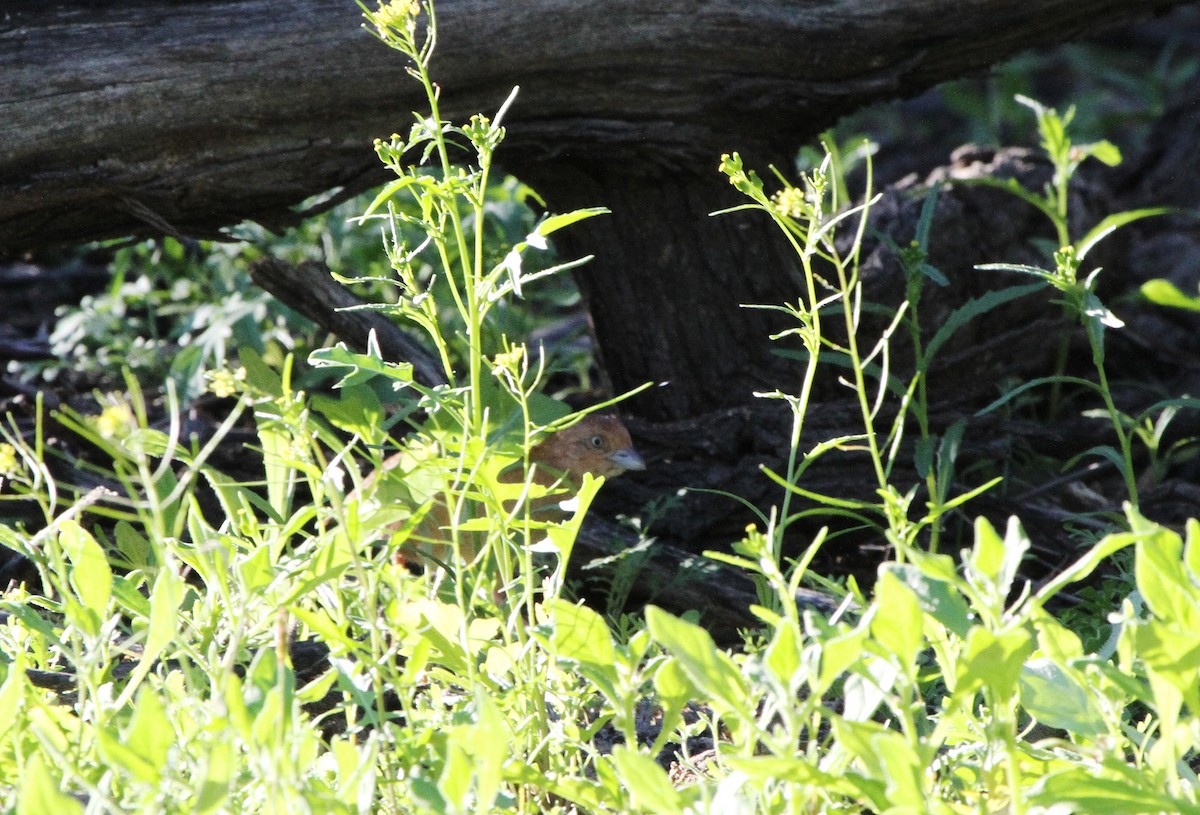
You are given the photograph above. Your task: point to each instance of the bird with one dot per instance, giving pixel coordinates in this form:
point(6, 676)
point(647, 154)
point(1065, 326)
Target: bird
point(599, 444)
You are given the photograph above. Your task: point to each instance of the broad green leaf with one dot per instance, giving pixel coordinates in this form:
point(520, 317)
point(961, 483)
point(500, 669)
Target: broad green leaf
point(993, 660)
point(1173, 652)
point(838, 653)
point(1191, 548)
point(1082, 790)
point(782, 656)
point(712, 671)
point(12, 694)
point(256, 571)
point(362, 367)
point(897, 624)
point(259, 373)
point(938, 598)
point(40, 793)
point(1056, 697)
point(491, 739)
point(133, 545)
point(1165, 586)
point(454, 783)
point(213, 785)
point(581, 635)
point(142, 750)
point(1104, 151)
point(987, 556)
point(91, 576)
point(357, 410)
point(887, 758)
point(646, 781)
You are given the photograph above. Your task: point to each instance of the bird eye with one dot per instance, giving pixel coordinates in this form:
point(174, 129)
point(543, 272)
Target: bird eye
point(596, 441)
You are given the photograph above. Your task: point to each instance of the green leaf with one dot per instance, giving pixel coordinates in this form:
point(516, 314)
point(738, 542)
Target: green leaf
point(1165, 293)
point(259, 373)
point(40, 793)
point(1114, 222)
point(1056, 697)
point(357, 410)
point(389, 190)
point(838, 653)
point(1085, 565)
point(886, 757)
point(213, 785)
point(165, 601)
point(363, 367)
point(1083, 790)
point(938, 597)
point(973, 308)
point(1035, 383)
point(1021, 268)
point(993, 660)
point(963, 498)
point(489, 751)
point(1164, 584)
point(91, 576)
point(897, 624)
point(997, 560)
point(646, 782)
point(1104, 151)
point(581, 635)
point(143, 748)
point(133, 545)
point(554, 223)
point(1013, 187)
point(782, 656)
point(256, 571)
point(12, 695)
point(712, 671)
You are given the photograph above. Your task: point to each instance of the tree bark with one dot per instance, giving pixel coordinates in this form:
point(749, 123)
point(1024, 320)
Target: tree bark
point(145, 117)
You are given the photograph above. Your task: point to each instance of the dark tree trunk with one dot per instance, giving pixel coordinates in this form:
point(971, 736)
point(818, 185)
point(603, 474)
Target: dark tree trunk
point(666, 295)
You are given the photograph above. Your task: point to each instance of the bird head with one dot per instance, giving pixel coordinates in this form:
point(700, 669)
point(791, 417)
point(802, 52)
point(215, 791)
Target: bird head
point(598, 444)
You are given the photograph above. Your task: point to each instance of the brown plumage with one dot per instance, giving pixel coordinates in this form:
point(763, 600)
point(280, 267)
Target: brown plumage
point(598, 444)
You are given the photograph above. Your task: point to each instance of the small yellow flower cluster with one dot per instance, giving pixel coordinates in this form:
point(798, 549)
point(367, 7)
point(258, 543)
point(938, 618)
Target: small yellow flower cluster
point(511, 361)
point(116, 421)
point(226, 383)
point(9, 463)
point(791, 201)
point(398, 14)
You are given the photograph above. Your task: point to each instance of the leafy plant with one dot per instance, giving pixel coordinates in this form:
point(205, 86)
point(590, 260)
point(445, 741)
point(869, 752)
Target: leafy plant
point(827, 237)
point(172, 312)
point(1078, 297)
point(156, 669)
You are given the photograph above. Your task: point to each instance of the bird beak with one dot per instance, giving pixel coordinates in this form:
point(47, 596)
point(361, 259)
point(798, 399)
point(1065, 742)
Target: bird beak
point(627, 459)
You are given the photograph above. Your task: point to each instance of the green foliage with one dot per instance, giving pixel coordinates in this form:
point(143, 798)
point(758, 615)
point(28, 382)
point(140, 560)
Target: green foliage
point(827, 236)
point(172, 592)
point(176, 311)
point(1078, 297)
point(172, 312)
